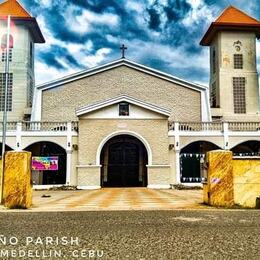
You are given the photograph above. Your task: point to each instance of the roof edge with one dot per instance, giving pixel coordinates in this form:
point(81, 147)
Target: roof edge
point(216, 27)
point(122, 98)
point(117, 63)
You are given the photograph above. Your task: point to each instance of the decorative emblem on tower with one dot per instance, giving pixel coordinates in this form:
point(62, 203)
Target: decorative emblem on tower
point(238, 45)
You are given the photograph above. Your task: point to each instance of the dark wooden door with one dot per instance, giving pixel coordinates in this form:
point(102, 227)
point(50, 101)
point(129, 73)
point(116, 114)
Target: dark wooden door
point(123, 165)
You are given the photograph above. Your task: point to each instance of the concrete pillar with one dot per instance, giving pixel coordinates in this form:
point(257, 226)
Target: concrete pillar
point(177, 167)
point(105, 163)
point(69, 153)
point(68, 167)
point(18, 144)
point(177, 153)
point(226, 136)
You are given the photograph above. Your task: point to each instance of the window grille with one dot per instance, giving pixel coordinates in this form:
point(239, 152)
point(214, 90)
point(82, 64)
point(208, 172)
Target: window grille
point(4, 55)
point(238, 61)
point(239, 95)
point(30, 92)
point(214, 60)
point(31, 55)
point(9, 91)
point(213, 95)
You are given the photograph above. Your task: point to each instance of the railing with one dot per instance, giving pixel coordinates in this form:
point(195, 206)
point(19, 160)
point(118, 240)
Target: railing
point(10, 126)
point(244, 126)
point(182, 126)
point(40, 126)
point(215, 126)
point(49, 126)
point(44, 126)
point(200, 126)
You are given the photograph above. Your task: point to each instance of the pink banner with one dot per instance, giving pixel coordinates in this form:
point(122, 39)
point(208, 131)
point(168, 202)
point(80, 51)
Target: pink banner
point(45, 163)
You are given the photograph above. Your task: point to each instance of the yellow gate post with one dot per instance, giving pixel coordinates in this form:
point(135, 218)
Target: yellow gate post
point(219, 189)
point(17, 192)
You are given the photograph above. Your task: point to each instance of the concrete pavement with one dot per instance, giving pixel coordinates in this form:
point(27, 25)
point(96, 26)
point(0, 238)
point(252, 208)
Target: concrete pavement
point(136, 235)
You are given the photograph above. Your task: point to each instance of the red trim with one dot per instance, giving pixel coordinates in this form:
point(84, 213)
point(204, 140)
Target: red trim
point(215, 27)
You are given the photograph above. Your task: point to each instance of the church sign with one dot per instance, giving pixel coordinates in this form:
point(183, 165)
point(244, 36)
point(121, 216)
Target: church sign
point(45, 163)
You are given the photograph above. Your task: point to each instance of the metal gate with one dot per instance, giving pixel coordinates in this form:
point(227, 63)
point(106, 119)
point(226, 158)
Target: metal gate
point(191, 167)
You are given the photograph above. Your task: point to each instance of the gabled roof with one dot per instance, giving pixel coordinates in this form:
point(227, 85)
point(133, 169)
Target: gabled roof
point(233, 15)
point(231, 19)
point(13, 8)
point(122, 98)
point(20, 16)
point(118, 63)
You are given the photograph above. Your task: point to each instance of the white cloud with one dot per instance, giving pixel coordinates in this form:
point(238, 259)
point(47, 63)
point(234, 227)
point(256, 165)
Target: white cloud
point(49, 37)
point(95, 59)
point(44, 73)
point(198, 12)
point(176, 56)
point(77, 50)
point(134, 5)
point(87, 20)
point(46, 3)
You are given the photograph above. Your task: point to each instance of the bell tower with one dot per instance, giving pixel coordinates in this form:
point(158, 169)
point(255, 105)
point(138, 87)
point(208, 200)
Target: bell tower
point(234, 86)
point(24, 33)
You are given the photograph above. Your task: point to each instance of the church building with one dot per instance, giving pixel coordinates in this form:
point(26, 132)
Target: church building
point(123, 124)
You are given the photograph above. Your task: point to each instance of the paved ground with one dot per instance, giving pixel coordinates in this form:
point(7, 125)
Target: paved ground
point(117, 199)
point(175, 234)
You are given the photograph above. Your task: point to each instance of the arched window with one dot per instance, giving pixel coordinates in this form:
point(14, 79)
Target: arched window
point(4, 46)
point(4, 41)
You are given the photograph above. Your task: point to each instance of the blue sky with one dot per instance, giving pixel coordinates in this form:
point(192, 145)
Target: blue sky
point(162, 34)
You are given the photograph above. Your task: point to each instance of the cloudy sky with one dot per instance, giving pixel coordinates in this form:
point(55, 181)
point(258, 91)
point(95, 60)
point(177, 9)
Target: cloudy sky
point(163, 34)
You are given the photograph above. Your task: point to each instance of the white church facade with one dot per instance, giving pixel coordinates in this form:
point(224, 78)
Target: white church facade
point(123, 124)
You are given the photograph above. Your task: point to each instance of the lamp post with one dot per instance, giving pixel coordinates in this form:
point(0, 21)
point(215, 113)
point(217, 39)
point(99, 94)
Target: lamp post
point(6, 73)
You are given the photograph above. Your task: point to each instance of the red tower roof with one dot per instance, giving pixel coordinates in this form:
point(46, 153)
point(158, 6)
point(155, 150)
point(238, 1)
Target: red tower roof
point(13, 8)
point(231, 19)
point(20, 16)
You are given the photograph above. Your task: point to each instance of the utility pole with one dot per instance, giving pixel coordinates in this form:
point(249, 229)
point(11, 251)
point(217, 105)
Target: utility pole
point(7, 47)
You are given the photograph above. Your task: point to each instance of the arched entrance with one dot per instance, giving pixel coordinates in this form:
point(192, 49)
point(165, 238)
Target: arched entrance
point(7, 148)
point(123, 159)
point(49, 177)
point(192, 158)
point(248, 148)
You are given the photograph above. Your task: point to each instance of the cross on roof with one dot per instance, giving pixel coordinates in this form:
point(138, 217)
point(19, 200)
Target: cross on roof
point(123, 48)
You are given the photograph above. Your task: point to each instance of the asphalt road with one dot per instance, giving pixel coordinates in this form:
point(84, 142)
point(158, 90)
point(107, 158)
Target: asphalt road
point(176, 234)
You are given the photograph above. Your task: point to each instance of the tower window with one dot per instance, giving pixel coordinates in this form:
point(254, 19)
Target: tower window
point(239, 95)
point(213, 95)
point(238, 61)
point(124, 109)
point(214, 60)
point(4, 55)
point(4, 46)
point(9, 91)
point(31, 55)
point(30, 92)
